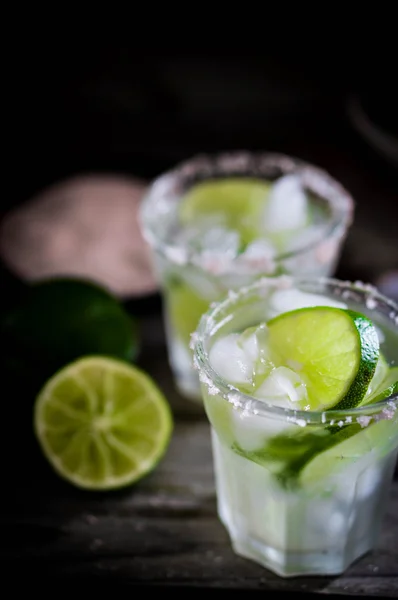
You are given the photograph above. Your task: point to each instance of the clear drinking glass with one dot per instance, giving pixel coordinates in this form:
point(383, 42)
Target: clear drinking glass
point(197, 266)
point(287, 503)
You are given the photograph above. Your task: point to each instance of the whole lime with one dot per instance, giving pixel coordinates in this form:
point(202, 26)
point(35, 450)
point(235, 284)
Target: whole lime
point(62, 319)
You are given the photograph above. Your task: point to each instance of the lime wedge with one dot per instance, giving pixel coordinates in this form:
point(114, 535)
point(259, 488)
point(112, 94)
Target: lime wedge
point(236, 202)
point(387, 388)
point(102, 424)
point(347, 446)
point(335, 351)
point(376, 383)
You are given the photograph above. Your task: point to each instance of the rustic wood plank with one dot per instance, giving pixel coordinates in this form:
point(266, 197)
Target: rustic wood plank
point(165, 531)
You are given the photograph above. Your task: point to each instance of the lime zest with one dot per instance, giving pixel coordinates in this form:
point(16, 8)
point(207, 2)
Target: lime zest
point(370, 349)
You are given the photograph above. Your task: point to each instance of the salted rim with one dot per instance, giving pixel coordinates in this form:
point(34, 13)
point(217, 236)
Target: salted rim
point(171, 185)
point(218, 386)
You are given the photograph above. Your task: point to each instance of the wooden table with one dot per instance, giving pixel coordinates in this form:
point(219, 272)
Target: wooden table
point(163, 531)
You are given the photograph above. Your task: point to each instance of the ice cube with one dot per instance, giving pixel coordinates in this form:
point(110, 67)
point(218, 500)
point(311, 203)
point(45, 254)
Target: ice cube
point(258, 257)
point(208, 235)
point(232, 360)
point(284, 300)
point(287, 205)
point(221, 241)
point(249, 345)
point(215, 248)
point(283, 387)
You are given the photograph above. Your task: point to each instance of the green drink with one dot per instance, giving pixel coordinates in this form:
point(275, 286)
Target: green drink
point(216, 223)
point(300, 384)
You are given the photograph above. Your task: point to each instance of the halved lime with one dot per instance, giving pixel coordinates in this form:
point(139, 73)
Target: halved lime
point(238, 202)
point(334, 350)
point(101, 423)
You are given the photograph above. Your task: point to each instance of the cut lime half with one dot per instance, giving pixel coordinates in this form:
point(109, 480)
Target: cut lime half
point(335, 351)
point(101, 423)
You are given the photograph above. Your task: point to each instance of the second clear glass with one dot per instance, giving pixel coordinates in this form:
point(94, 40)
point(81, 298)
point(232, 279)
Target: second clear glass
point(191, 282)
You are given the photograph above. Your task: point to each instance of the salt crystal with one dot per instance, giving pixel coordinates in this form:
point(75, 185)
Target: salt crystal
point(234, 398)
point(193, 340)
point(212, 390)
point(299, 422)
point(371, 303)
point(364, 421)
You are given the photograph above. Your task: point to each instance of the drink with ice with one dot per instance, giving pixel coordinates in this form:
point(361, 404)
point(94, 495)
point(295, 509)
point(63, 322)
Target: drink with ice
point(300, 384)
point(216, 223)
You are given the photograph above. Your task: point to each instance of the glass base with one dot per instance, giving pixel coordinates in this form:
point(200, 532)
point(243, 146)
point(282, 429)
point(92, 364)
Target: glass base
point(294, 564)
point(314, 530)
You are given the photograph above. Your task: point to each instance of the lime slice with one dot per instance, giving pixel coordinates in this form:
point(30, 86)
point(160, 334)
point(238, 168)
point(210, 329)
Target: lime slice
point(185, 309)
point(60, 320)
point(101, 423)
point(387, 388)
point(376, 383)
point(335, 351)
point(236, 202)
point(347, 446)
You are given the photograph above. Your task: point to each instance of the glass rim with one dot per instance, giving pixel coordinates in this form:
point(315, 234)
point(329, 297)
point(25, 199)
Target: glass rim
point(260, 408)
point(239, 163)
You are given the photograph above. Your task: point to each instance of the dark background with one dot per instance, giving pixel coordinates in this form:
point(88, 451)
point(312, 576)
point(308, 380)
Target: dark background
point(121, 111)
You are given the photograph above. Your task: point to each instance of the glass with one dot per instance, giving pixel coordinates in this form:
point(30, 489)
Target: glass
point(190, 282)
point(325, 515)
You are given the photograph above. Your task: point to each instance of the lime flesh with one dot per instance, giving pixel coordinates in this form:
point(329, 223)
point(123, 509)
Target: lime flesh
point(101, 423)
point(334, 350)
